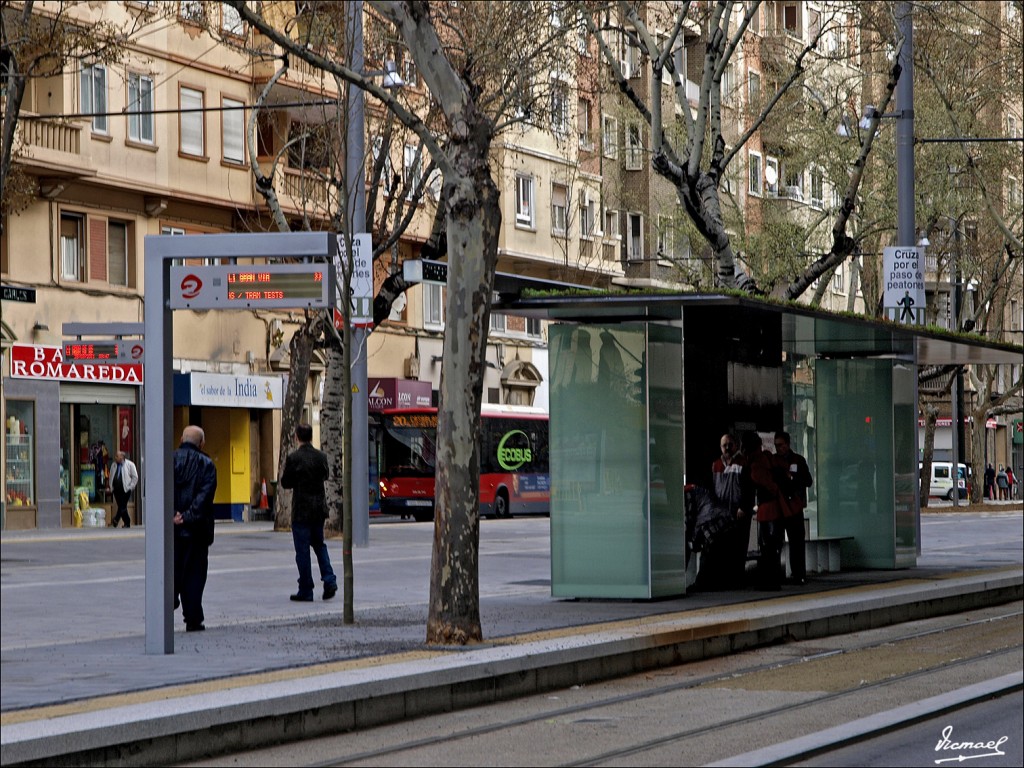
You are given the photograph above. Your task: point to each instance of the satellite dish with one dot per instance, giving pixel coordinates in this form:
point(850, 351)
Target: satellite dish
point(771, 175)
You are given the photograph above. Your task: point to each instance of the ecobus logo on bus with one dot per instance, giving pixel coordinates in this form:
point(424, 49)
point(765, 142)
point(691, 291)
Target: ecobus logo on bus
point(512, 457)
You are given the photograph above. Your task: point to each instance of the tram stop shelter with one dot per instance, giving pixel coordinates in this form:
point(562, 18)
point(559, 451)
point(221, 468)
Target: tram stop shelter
point(643, 386)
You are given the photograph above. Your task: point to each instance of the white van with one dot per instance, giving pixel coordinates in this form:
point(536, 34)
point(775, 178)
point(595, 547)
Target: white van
point(942, 481)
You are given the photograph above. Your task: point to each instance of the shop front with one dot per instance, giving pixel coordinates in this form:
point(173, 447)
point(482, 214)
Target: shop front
point(63, 424)
point(236, 411)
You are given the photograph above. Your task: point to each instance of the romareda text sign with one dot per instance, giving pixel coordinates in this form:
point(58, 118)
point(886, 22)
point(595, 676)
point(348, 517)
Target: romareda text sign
point(33, 361)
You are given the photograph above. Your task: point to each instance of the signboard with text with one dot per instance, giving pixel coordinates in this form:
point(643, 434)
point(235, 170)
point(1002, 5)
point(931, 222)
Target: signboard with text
point(361, 282)
point(903, 283)
point(35, 361)
point(253, 286)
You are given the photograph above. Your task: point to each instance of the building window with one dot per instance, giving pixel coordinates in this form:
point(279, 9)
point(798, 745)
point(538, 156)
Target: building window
point(193, 11)
point(524, 200)
point(755, 19)
point(559, 209)
point(533, 326)
point(635, 236)
point(412, 167)
point(117, 253)
point(609, 136)
point(664, 236)
point(191, 122)
point(497, 322)
point(791, 19)
point(384, 162)
point(233, 123)
point(793, 182)
point(586, 214)
point(756, 185)
point(94, 96)
point(728, 82)
point(817, 188)
point(309, 146)
point(72, 246)
point(583, 124)
point(634, 148)
point(140, 108)
point(611, 223)
point(1012, 131)
point(433, 306)
point(839, 279)
point(771, 176)
point(559, 108)
point(753, 90)
point(1014, 198)
point(231, 20)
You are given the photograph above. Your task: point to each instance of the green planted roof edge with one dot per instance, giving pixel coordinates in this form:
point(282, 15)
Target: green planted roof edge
point(933, 330)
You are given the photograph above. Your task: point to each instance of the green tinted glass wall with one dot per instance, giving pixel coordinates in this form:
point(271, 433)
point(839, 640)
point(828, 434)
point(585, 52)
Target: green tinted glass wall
point(606, 492)
point(857, 438)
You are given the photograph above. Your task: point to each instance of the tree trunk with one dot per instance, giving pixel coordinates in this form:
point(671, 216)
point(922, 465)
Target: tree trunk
point(332, 433)
point(473, 218)
point(300, 355)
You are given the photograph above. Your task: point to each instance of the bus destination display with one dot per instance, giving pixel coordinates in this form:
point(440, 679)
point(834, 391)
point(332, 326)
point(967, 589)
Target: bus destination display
point(264, 286)
point(252, 286)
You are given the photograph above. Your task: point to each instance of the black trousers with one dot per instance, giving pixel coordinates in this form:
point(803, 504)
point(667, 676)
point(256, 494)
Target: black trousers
point(191, 563)
point(121, 497)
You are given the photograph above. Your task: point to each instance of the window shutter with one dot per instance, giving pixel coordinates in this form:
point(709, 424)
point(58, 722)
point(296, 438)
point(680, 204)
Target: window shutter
point(191, 122)
point(234, 132)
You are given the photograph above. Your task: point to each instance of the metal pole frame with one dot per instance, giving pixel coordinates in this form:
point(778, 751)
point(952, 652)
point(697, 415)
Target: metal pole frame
point(158, 400)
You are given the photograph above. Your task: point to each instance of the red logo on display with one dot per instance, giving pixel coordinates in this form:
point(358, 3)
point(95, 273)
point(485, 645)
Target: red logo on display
point(137, 351)
point(191, 286)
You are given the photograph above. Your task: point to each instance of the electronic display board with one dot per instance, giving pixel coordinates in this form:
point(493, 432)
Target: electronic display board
point(252, 286)
point(106, 351)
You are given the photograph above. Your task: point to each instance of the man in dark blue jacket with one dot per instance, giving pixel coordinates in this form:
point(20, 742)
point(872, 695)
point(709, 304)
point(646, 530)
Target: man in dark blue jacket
point(195, 482)
point(305, 471)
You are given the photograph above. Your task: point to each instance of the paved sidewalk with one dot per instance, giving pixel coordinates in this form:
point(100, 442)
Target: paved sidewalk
point(270, 674)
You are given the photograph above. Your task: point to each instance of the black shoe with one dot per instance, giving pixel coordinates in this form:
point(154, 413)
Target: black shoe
point(797, 582)
point(330, 592)
point(301, 598)
point(195, 628)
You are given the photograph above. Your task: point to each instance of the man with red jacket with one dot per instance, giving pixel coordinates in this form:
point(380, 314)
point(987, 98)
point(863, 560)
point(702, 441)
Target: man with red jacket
point(794, 478)
point(760, 472)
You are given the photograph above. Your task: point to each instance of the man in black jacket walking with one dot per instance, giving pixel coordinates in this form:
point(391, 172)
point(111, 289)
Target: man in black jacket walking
point(195, 482)
point(305, 471)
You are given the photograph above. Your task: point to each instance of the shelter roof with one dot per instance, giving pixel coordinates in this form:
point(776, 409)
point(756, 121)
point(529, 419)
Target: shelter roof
point(859, 334)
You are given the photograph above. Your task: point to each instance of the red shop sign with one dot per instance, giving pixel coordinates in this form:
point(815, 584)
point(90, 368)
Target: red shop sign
point(35, 361)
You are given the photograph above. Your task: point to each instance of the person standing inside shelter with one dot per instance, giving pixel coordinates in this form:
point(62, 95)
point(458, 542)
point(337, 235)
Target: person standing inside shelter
point(195, 483)
point(123, 479)
point(794, 480)
point(732, 493)
point(305, 472)
point(770, 503)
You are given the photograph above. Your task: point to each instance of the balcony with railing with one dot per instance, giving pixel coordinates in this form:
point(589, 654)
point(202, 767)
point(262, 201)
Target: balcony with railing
point(52, 144)
point(301, 82)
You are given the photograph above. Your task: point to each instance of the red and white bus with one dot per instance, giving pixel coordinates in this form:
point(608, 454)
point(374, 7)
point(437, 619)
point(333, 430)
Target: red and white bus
point(513, 447)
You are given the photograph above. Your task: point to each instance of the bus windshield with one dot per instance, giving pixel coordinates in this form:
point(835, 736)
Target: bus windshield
point(409, 451)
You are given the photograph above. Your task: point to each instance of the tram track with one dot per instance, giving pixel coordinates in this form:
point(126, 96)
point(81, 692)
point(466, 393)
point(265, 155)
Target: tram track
point(600, 712)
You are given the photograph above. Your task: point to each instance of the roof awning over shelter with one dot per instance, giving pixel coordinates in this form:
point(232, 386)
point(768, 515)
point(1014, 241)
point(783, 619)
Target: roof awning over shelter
point(846, 334)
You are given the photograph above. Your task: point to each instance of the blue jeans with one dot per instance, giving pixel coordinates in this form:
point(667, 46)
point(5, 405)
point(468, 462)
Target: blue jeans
point(308, 536)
